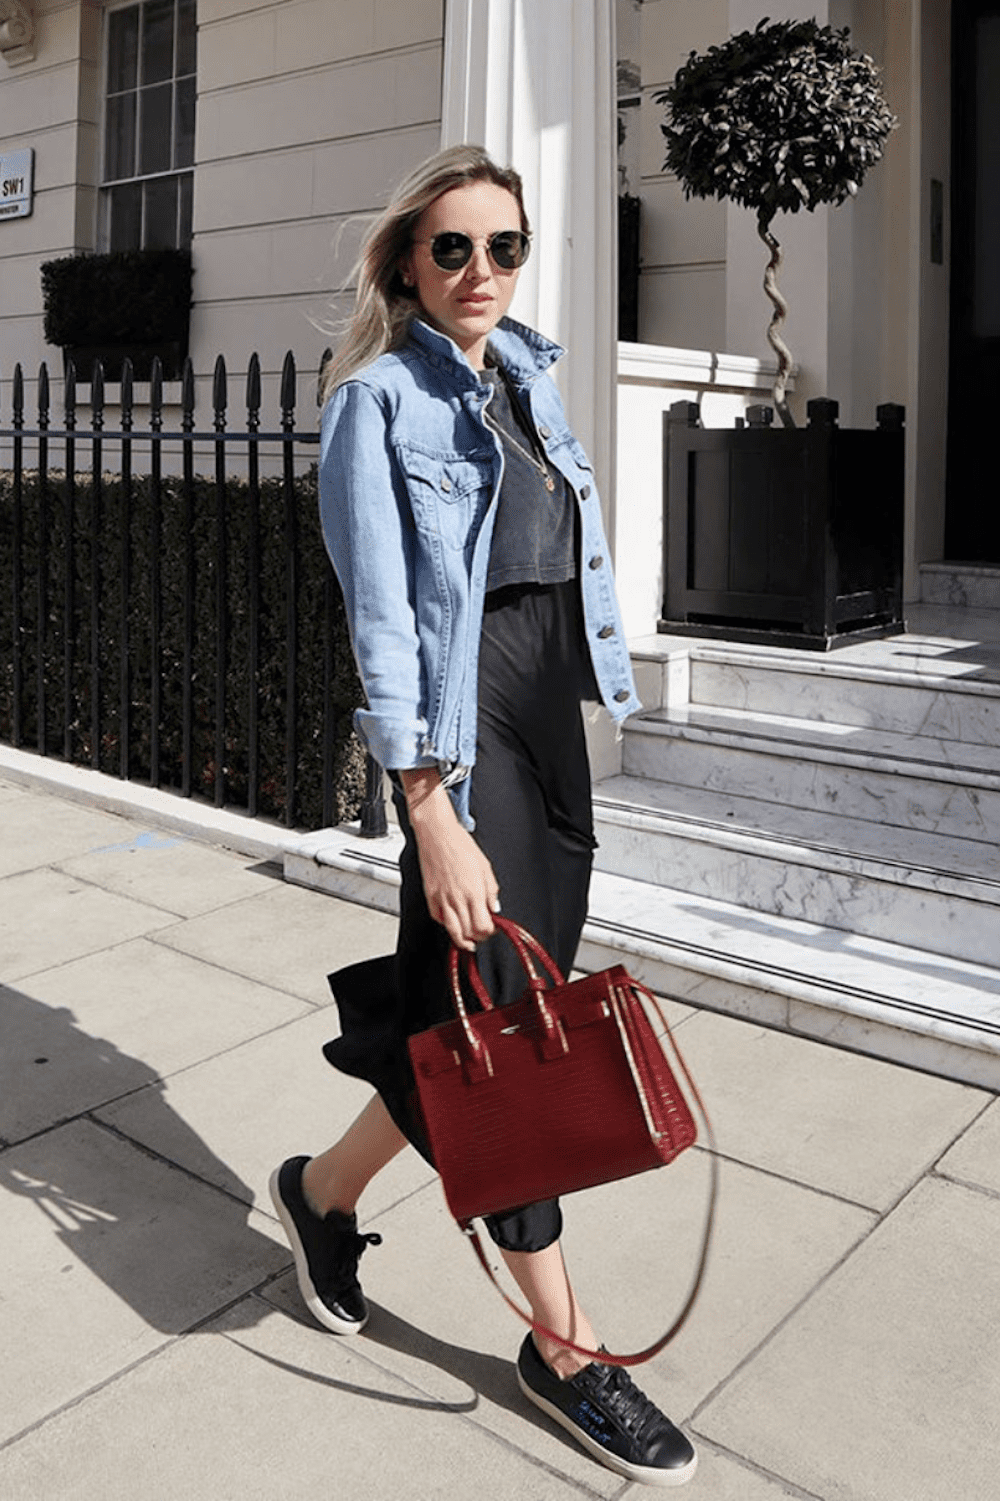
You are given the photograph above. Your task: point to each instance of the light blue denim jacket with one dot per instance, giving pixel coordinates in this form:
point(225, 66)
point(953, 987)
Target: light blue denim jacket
point(409, 478)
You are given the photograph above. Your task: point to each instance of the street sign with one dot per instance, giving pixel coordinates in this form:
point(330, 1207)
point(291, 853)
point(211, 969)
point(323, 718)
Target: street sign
point(17, 174)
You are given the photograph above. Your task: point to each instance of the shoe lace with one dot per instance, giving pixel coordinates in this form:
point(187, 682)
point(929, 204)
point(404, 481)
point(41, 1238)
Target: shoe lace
point(620, 1396)
point(349, 1249)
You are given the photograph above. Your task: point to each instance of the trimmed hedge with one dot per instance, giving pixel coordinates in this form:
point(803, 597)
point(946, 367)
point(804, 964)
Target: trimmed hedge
point(318, 601)
point(124, 297)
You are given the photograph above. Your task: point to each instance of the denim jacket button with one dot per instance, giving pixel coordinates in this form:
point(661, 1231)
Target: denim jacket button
point(622, 695)
point(545, 432)
point(585, 492)
point(605, 632)
point(446, 484)
point(597, 561)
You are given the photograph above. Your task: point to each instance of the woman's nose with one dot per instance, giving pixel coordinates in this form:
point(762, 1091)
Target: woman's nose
point(479, 268)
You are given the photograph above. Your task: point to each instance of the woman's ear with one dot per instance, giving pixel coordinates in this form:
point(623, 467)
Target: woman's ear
point(405, 268)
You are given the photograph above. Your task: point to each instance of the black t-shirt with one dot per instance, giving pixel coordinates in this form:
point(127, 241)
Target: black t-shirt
point(534, 538)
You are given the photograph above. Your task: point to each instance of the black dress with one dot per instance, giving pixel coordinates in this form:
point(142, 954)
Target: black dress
point(531, 800)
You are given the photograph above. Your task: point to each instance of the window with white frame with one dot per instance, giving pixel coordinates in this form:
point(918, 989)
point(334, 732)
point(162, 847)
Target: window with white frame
point(149, 110)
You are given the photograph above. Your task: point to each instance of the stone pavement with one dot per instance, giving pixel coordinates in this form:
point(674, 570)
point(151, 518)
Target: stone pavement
point(163, 1005)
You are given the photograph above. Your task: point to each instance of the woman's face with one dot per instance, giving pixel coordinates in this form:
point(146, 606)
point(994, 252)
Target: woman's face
point(467, 304)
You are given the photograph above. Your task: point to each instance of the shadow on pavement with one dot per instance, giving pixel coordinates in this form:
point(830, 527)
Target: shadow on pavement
point(132, 1218)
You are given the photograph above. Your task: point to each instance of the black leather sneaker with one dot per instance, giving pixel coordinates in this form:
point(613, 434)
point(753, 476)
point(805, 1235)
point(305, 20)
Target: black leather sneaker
point(327, 1252)
point(611, 1418)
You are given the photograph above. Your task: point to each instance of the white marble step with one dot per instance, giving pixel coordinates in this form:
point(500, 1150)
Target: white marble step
point(902, 885)
point(901, 689)
point(920, 782)
point(885, 999)
point(966, 586)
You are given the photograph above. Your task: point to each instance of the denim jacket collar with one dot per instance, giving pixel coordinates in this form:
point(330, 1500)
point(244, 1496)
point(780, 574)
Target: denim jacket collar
point(523, 353)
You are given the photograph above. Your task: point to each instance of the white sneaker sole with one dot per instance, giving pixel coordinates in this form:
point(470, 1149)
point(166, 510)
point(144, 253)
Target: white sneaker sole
point(310, 1296)
point(645, 1474)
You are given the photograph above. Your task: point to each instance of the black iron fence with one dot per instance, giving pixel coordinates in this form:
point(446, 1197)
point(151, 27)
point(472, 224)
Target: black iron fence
point(168, 625)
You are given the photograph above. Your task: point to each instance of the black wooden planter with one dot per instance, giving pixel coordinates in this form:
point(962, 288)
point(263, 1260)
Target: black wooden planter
point(793, 537)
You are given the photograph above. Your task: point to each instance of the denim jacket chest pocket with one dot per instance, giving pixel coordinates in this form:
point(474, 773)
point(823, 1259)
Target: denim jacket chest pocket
point(449, 493)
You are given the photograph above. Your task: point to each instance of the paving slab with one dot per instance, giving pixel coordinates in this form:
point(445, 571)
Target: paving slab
point(116, 1020)
point(975, 1157)
point(169, 871)
point(774, 1240)
point(289, 938)
point(472, 1363)
point(844, 1122)
point(107, 1253)
point(50, 918)
point(40, 829)
point(886, 1385)
point(246, 1111)
point(274, 1413)
point(631, 1249)
point(721, 1477)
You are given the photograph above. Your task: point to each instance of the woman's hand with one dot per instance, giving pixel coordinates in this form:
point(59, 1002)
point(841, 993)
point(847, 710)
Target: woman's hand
point(461, 889)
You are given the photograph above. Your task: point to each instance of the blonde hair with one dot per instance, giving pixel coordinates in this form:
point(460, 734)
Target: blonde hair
point(383, 305)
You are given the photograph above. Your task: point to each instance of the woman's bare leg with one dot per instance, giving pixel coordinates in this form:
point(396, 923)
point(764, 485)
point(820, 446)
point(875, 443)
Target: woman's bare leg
point(544, 1280)
point(338, 1177)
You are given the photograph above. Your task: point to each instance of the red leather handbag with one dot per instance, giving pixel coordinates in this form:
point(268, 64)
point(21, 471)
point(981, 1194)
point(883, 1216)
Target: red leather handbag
point(567, 1088)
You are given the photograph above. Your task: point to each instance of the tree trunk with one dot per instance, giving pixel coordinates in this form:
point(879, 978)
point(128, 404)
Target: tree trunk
point(774, 338)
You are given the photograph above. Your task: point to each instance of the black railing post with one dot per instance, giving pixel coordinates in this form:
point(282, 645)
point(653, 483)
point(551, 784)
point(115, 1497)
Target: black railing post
point(219, 402)
point(42, 612)
point(96, 471)
point(155, 568)
point(374, 824)
point(253, 582)
point(329, 597)
point(187, 680)
point(291, 584)
point(124, 634)
point(17, 582)
point(69, 556)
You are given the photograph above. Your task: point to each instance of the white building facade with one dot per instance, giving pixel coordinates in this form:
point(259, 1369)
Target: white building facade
point(263, 132)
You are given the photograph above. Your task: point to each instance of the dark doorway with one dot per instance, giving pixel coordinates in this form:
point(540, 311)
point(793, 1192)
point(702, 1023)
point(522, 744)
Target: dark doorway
point(972, 532)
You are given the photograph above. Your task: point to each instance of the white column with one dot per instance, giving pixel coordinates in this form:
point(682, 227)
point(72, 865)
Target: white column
point(533, 82)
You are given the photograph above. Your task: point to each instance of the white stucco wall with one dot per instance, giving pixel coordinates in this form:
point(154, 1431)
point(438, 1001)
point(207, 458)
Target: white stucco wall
point(309, 112)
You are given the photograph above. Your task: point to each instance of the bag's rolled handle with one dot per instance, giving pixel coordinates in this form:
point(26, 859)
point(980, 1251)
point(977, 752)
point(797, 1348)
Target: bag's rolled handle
point(553, 1040)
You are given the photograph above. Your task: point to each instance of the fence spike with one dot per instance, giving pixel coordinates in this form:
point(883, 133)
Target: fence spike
point(324, 360)
point(43, 395)
point(219, 393)
point(18, 395)
point(156, 394)
point(126, 393)
point(253, 393)
point(187, 396)
point(69, 394)
point(97, 396)
point(288, 392)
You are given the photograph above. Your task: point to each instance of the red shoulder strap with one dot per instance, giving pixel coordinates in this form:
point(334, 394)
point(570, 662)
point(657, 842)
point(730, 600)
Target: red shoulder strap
point(639, 1356)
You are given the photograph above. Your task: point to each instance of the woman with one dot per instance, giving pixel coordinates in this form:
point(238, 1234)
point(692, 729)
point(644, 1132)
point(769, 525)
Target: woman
point(463, 522)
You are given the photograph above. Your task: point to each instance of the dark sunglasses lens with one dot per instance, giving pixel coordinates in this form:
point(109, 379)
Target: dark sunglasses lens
point(510, 249)
point(451, 251)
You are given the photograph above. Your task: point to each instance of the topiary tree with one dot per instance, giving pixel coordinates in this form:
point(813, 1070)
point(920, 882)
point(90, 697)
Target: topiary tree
point(783, 117)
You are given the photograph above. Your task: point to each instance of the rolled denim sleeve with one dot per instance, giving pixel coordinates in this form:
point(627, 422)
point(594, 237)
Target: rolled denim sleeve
point(368, 529)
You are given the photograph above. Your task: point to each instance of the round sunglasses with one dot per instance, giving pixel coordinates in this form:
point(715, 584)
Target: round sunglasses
point(508, 249)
